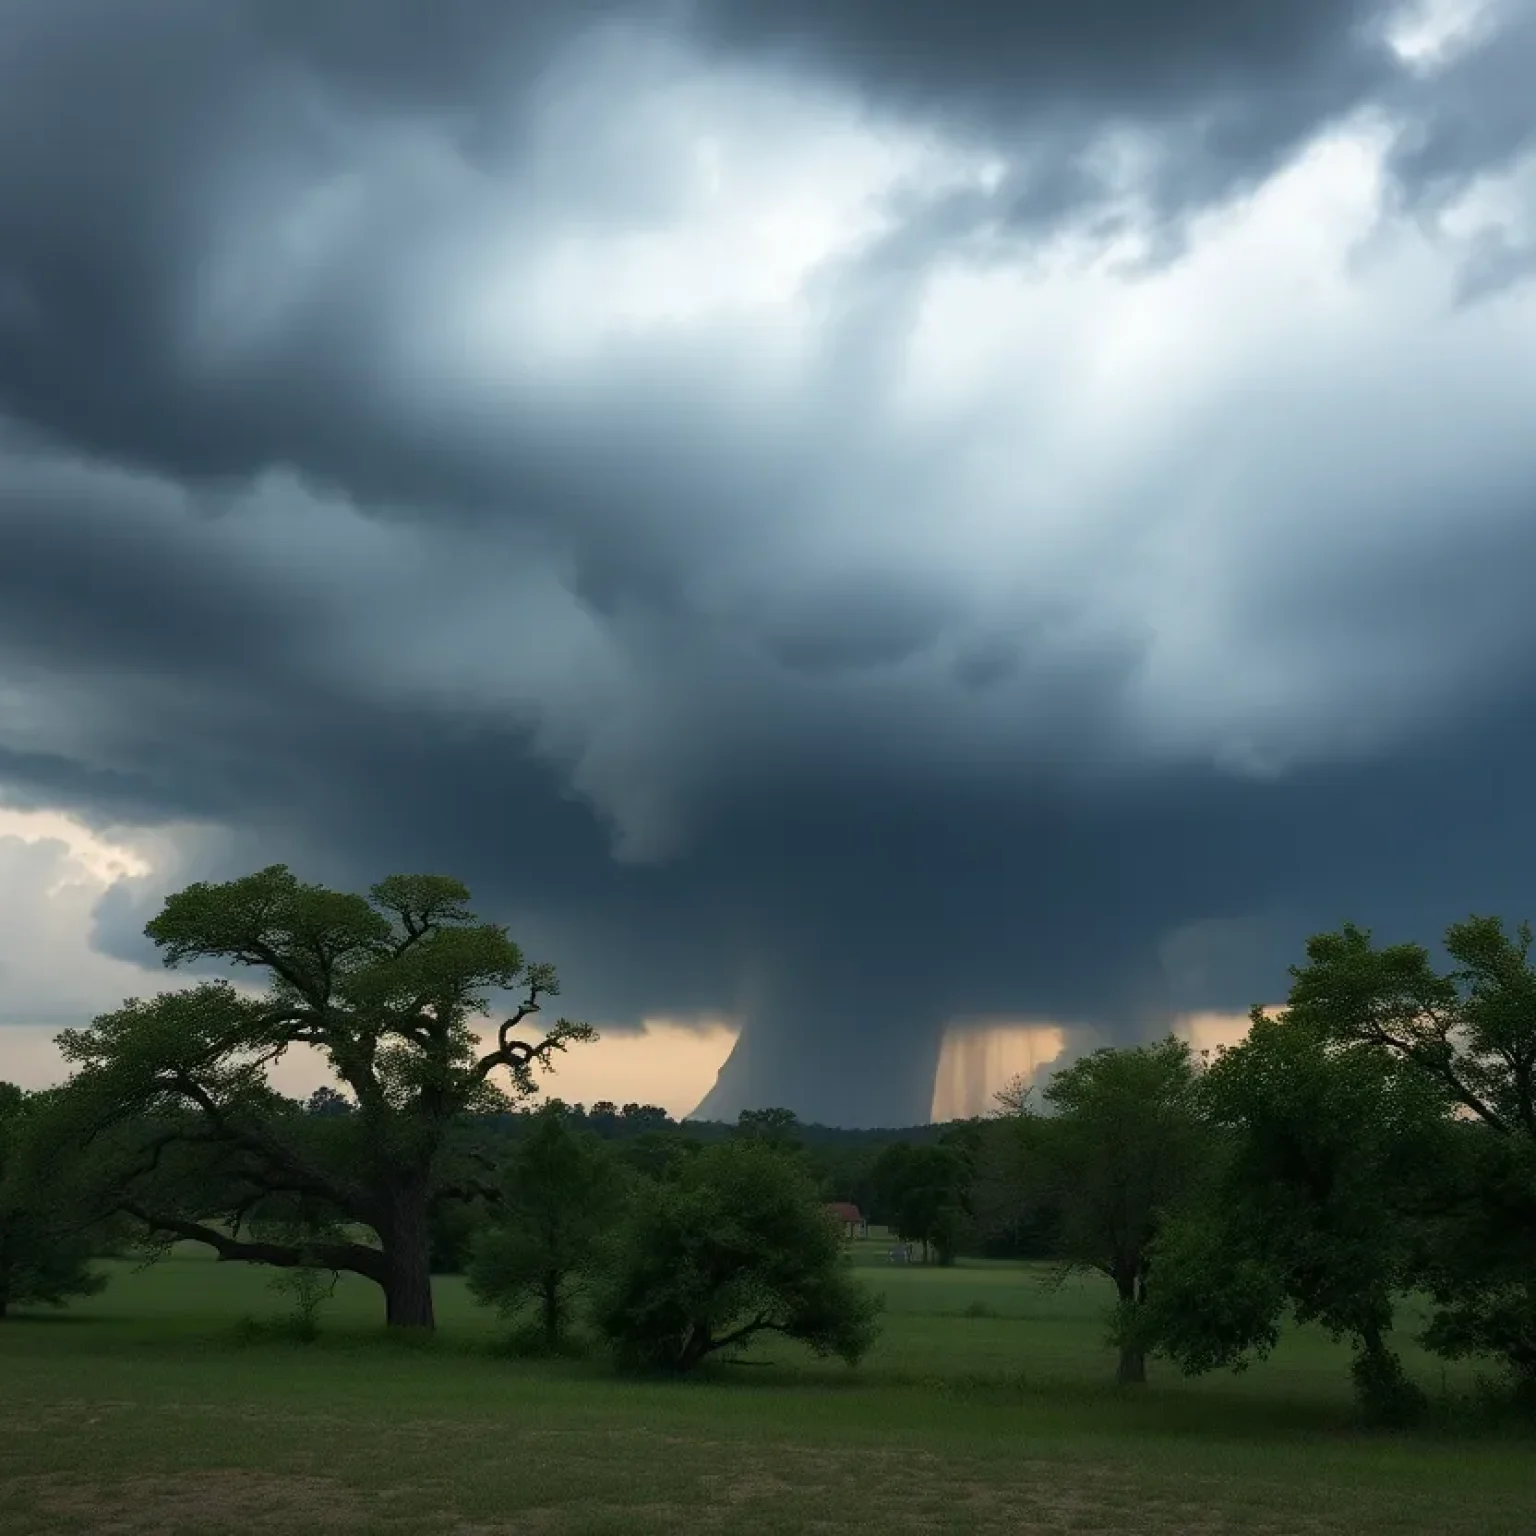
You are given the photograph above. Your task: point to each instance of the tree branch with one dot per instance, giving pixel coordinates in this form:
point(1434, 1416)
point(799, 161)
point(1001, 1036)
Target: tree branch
point(759, 1324)
point(260, 1143)
point(510, 1052)
point(352, 1257)
point(467, 1189)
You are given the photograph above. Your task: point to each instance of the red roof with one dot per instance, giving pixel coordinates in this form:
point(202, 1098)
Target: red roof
point(841, 1210)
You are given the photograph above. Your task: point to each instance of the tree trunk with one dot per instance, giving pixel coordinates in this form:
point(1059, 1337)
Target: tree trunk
point(551, 1298)
point(408, 1256)
point(1131, 1371)
point(695, 1347)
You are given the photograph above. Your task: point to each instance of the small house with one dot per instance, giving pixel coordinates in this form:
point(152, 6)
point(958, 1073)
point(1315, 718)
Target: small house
point(849, 1218)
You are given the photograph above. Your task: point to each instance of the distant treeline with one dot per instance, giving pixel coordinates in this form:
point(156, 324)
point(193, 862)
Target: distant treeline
point(852, 1166)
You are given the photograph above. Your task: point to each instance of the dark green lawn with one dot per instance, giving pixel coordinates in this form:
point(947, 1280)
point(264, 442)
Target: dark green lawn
point(138, 1412)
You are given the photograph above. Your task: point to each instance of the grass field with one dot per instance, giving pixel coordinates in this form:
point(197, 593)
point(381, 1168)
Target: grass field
point(140, 1411)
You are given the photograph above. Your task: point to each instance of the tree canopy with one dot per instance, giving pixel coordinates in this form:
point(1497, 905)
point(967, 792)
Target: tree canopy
point(45, 1233)
point(387, 988)
point(733, 1244)
point(1122, 1142)
point(1315, 1206)
point(561, 1191)
point(1470, 1032)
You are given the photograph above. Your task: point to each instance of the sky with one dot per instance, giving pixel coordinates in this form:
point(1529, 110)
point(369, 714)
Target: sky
point(887, 541)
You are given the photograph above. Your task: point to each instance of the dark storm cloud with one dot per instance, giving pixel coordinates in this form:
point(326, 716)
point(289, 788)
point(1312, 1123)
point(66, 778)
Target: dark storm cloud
point(289, 546)
point(1224, 93)
point(1212, 97)
point(196, 128)
point(1110, 58)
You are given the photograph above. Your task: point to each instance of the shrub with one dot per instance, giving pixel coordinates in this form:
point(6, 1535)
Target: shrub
point(735, 1245)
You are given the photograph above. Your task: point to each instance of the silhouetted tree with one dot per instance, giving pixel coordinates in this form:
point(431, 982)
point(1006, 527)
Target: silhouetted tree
point(386, 987)
point(326, 1101)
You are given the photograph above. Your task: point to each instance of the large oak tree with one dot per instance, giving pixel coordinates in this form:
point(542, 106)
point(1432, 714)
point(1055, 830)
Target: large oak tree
point(387, 988)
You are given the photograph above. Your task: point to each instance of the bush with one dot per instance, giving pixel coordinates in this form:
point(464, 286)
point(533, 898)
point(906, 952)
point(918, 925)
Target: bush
point(307, 1289)
point(735, 1245)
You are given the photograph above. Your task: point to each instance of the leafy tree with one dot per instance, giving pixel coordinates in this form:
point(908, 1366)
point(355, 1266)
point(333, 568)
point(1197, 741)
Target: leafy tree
point(385, 987)
point(1014, 1206)
point(560, 1194)
point(45, 1244)
point(1315, 1208)
point(453, 1228)
point(776, 1127)
point(643, 1119)
point(734, 1245)
point(654, 1154)
point(326, 1101)
point(1471, 1033)
point(920, 1195)
point(846, 1173)
point(1124, 1146)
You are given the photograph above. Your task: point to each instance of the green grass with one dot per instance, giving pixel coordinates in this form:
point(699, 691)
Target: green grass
point(138, 1411)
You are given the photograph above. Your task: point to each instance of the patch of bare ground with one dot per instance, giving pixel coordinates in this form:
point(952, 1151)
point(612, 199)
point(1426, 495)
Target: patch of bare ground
point(230, 1500)
point(572, 1519)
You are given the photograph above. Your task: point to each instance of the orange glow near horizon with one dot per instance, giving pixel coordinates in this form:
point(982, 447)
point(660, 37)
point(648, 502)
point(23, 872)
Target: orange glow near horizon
point(978, 1060)
point(666, 1063)
point(673, 1064)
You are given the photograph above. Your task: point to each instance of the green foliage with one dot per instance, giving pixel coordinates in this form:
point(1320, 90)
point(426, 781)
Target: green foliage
point(1480, 1264)
point(1015, 1205)
point(561, 1191)
point(1124, 1145)
point(454, 1227)
point(326, 1101)
point(734, 1245)
point(1472, 1030)
point(1218, 1302)
point(46, 1238)
point(307, 1288)
point(1324, 1146)
point(776, 1127)
point(654, 1154)
point(1126, 1142)
point(919, 1192)
point(1467, 1035)
point(387, 988)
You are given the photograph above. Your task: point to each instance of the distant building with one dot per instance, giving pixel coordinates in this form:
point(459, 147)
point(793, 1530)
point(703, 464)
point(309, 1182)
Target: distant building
point(849, 1218)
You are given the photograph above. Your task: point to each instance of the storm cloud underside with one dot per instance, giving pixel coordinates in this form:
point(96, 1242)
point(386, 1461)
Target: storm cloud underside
point(849, 516)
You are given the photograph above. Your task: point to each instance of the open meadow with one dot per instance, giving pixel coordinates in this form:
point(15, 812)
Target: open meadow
point(987, 1406)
